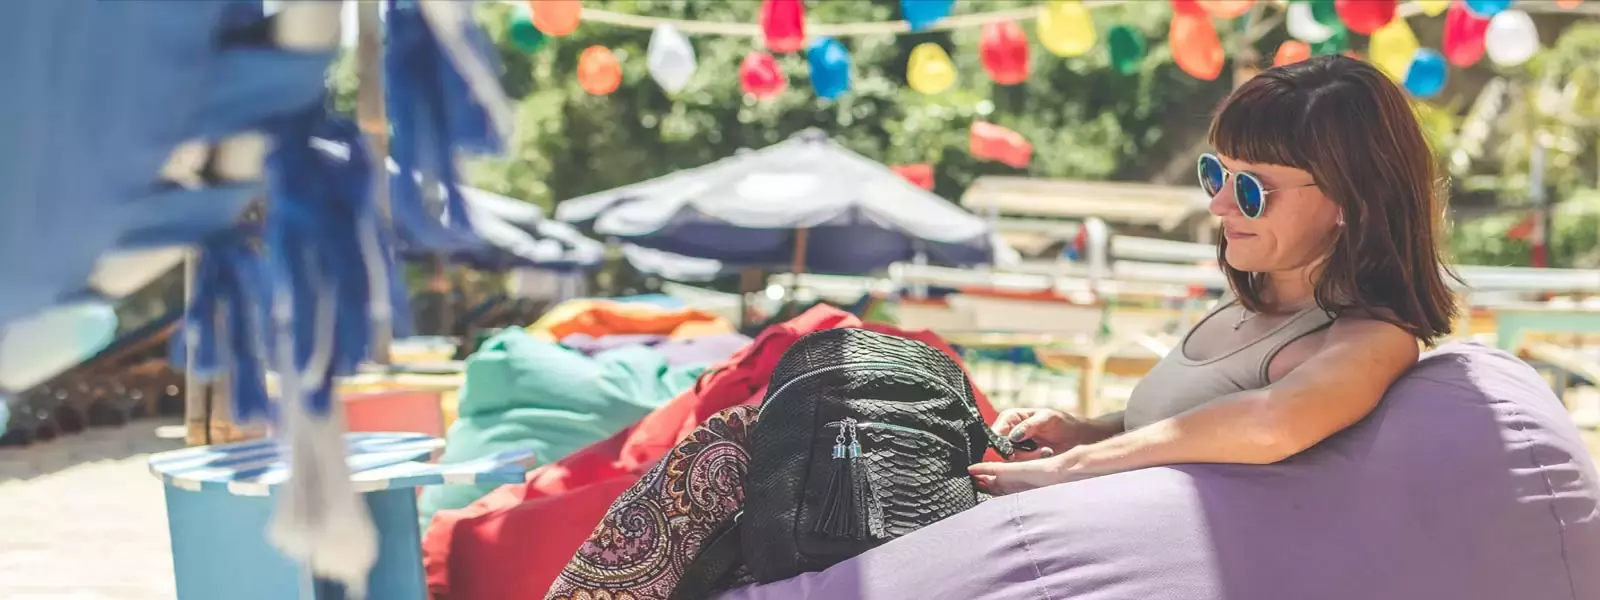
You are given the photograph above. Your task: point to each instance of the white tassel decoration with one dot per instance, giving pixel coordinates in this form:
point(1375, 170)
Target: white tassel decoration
point(185, 163)
point(309, 25)
point(241, 158)
point(320, 521)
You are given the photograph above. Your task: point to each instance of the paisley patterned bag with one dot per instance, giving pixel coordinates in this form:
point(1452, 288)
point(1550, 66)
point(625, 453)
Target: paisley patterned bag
point(654, 533)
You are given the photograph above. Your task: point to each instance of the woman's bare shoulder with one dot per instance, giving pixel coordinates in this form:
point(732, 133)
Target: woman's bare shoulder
point(1377, 326)
point(1363, 330)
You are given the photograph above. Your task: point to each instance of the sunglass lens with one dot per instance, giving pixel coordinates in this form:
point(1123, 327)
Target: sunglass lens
point(1211, 175)
point(1247, 191)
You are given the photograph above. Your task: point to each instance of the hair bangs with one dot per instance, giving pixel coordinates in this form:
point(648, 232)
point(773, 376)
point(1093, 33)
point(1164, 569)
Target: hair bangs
point(1263, 122)
point(1355, 131)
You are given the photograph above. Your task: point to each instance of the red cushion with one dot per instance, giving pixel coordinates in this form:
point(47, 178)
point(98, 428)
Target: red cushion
point(512, 543)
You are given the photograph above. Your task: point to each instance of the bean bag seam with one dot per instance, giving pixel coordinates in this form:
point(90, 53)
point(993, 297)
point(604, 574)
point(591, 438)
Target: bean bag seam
point(1027, 549)
point(1544, 475)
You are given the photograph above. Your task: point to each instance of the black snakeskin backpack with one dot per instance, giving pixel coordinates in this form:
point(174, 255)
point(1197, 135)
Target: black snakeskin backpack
point(863, 437)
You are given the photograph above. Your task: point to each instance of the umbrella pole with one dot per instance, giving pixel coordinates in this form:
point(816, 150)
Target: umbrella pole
point(798, 267)
point(370, 113)
point(446, 286)
point(207, 405)
point(195, 391)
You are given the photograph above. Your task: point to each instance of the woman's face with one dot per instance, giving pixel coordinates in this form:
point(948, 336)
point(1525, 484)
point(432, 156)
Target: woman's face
point(1295, 230)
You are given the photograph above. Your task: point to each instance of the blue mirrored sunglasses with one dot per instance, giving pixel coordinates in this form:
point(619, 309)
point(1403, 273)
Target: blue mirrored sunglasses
point(1248, 192)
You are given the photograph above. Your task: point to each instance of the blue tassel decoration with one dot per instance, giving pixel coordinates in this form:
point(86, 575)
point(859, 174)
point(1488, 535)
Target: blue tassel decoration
point(224, 321)
point(331, 272)
point(424, 119)
point(98, 95)
point(323, 243)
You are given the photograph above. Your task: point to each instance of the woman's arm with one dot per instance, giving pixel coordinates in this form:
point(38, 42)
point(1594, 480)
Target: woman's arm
point(1338, 385)
point(1108, 425)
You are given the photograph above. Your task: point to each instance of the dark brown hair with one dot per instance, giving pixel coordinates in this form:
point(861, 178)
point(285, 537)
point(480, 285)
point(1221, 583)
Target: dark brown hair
point(1354, 130)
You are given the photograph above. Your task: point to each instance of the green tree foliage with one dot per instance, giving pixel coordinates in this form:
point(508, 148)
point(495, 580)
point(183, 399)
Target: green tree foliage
point(1556, 101)
point(1084, 120)
point(1574, 236)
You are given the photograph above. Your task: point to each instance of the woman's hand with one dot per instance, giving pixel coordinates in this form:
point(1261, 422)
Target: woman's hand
point(1054, 431)
point(1064, 443)
point(1010, 478)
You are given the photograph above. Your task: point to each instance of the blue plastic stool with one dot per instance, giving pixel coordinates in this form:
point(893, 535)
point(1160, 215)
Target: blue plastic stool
point(220, 499)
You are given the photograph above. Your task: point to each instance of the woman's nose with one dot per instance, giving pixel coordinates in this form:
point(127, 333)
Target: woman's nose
point(1222, 203)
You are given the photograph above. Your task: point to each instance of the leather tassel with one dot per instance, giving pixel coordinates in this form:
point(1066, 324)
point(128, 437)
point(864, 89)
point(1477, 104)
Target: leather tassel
point(847, 490)
point(839, 510)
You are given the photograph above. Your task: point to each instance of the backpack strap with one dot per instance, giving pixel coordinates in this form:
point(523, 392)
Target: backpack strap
point(716, 560)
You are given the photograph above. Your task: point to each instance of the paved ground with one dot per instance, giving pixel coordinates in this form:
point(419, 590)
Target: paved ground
point(82, 519)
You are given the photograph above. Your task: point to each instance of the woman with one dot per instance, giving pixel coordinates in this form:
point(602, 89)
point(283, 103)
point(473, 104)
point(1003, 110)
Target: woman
point(1327, 192)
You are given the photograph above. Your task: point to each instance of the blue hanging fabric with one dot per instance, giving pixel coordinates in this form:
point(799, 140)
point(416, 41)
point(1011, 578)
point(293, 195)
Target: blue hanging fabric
point(332, 275)
point(437, 105)
point(324, 245)
point(302, 307)
point(224, 321)
point(269, 73)
point(104, 97)
point(98, 95)
point(419, 85)
point(477, 112)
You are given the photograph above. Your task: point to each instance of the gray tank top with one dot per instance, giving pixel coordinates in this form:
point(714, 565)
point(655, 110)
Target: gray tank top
point(1178, 383)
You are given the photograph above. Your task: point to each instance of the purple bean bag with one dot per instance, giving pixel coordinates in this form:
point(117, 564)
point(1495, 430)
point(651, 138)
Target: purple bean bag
point(1469, 482)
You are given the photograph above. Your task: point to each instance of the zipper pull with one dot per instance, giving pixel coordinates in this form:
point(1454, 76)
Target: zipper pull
point(845, 446)
point(855, 440)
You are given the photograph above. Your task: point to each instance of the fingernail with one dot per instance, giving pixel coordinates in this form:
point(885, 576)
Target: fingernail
point(1019, 434)
point(1047, 453)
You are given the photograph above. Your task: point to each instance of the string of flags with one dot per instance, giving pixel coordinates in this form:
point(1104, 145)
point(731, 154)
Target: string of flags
point(1473, 29)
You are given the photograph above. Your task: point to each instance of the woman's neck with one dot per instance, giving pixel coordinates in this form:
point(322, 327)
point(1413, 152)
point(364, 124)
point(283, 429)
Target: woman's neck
point(1289, 291)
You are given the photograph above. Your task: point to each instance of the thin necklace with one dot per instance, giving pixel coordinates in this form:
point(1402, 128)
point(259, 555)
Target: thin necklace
point(1244, 315)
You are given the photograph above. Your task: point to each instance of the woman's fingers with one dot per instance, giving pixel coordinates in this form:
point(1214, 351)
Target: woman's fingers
point(1031, 426)
point(1010, 478)
point(1020, 455)
point(1009, 419)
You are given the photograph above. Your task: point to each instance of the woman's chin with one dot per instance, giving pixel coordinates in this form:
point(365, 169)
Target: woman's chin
point(1241, 261)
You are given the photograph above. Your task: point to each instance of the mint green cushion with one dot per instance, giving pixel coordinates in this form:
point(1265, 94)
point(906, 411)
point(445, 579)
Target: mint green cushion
point(521, 392)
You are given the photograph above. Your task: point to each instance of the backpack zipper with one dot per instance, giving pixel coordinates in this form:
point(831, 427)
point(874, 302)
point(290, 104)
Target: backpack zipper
point(901, 428)
point(889, 366)
point(991, 439)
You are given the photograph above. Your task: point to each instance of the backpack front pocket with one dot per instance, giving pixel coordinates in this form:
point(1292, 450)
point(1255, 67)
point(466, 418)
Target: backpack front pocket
point(889, 480)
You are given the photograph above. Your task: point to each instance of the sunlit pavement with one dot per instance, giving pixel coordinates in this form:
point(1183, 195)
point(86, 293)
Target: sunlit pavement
point(82, 518)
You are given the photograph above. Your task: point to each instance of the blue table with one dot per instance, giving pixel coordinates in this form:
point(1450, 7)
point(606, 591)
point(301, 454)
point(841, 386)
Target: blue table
point(1514, 320)
point(220, 499)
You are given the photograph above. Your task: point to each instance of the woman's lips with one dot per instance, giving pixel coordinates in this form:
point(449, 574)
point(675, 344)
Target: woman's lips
point(1236, 235)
